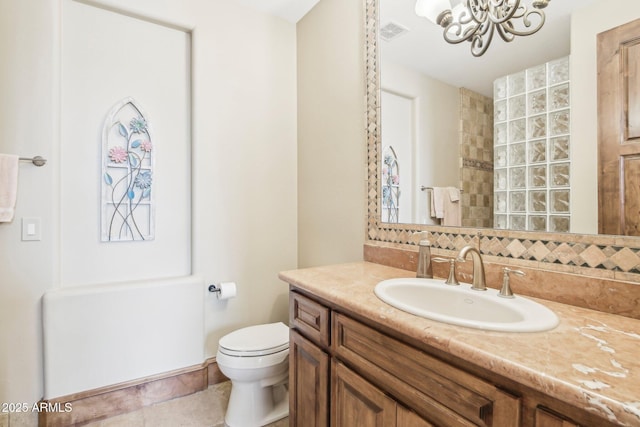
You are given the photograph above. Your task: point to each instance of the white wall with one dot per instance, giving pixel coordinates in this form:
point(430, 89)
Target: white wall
point(397, 124)
point(586, 23)
point(28, 126)
point(437, 120)
point(107, 57)
point(331, 133)
point(244, 195)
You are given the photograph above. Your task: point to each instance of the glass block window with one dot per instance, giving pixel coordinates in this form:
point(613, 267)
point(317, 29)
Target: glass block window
point(532, 165)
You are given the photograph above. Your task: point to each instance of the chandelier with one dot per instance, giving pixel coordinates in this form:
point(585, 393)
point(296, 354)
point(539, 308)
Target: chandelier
point(476, 21)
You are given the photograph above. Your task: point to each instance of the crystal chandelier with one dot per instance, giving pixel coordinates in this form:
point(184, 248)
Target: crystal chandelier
point(476, 21)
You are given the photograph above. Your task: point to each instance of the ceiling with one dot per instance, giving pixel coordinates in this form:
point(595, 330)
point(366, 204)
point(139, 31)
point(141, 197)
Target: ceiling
point(290, 10)
point(424, 48)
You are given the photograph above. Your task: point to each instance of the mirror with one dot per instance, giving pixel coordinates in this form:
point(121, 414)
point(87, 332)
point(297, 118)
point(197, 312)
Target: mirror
point(428, 124)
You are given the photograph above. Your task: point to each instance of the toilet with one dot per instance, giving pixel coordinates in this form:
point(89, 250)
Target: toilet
point(256, 360)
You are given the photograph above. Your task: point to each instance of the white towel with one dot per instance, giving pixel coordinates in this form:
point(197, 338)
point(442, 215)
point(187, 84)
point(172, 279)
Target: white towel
point(452, 213)
point(437, 202)
point(454, 194)
point(8, 186)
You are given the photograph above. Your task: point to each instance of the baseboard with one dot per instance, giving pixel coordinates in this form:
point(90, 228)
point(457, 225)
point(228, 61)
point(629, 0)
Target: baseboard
point(105, 402)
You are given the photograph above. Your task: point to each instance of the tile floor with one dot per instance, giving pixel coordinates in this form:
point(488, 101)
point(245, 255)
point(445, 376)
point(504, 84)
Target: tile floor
point(202, 409)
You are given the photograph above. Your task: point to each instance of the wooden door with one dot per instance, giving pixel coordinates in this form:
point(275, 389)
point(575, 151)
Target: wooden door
point(357, 403)
point(308, 383)
point(619, 130)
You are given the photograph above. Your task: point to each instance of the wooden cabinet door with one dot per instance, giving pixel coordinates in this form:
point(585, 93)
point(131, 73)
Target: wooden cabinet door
point(619, 130)
point(308, 383)
point(407, 418)
point(547, 419)
point(356, 402)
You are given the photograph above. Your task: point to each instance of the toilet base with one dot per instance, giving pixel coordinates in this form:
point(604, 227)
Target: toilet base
point(251, 405)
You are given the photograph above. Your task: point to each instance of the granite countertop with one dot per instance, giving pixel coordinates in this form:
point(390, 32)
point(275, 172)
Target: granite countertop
point(591, 360)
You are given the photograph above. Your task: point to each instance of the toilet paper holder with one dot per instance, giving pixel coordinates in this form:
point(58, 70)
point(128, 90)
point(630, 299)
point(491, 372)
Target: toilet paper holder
point(223, 290)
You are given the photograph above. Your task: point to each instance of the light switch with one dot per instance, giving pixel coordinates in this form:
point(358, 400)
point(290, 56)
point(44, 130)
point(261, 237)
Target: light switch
point(31, 229)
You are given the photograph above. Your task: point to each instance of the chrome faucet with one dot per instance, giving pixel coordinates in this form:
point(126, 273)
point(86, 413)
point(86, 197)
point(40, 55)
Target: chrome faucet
point(479, 282)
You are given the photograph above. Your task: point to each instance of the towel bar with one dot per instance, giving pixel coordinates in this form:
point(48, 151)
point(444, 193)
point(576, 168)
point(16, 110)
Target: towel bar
point(423, 188)
point(37, 160)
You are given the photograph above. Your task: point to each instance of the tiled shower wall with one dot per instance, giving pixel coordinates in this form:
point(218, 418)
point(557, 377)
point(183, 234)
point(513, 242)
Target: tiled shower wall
point(476, 159)
point(532, 163)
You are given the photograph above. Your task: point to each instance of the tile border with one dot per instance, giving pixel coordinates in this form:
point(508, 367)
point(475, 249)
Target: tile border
point(110, 401)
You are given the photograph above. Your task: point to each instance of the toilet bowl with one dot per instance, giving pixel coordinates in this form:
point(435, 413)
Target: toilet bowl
point(256, 360)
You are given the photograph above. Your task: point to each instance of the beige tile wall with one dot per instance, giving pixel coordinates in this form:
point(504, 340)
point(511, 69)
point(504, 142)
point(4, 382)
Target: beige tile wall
point(476, 159)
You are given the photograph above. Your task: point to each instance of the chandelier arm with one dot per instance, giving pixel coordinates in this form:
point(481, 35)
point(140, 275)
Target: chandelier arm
point(456, 32)
point(532, 28)
point(501, 11)
point(515, 13)
point(458, 35)
point(505, 32)
point(481, 42)
point(480, 10)
point(467, 17)
point(475, 9)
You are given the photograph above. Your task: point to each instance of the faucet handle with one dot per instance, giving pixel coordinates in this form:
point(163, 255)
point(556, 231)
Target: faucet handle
point(505, 292)
point(451, 280)
point(516, 272)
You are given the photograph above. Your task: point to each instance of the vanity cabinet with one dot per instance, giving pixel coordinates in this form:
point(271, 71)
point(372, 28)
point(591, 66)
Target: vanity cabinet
point(373, 378)
point(346, 372)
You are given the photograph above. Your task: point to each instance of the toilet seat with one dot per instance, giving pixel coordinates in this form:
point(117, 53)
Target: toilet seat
point(255, 341)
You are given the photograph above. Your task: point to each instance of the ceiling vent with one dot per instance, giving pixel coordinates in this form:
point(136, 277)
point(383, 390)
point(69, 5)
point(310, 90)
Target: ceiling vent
point(392, 30)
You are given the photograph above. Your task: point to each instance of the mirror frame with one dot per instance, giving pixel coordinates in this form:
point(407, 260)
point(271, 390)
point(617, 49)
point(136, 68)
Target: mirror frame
point(603, 256)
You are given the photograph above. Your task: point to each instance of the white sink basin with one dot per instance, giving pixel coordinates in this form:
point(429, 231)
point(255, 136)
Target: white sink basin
point(459, 305)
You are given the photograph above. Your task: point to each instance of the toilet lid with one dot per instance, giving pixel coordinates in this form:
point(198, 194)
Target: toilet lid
point(258, 340)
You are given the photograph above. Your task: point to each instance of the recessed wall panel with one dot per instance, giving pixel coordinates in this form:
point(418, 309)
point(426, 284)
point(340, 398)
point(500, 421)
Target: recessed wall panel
point(108, 56)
